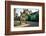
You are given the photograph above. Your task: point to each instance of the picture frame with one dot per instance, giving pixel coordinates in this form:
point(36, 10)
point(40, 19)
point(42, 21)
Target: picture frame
point(8, 17)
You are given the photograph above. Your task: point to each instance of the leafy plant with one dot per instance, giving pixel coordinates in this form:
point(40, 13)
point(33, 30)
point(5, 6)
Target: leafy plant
point(33, 17)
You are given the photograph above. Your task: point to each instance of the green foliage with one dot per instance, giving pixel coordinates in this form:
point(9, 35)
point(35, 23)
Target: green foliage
point(33, 17)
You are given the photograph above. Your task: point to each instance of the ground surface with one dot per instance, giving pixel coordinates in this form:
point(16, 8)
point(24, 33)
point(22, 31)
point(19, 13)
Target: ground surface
point(28, 24)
